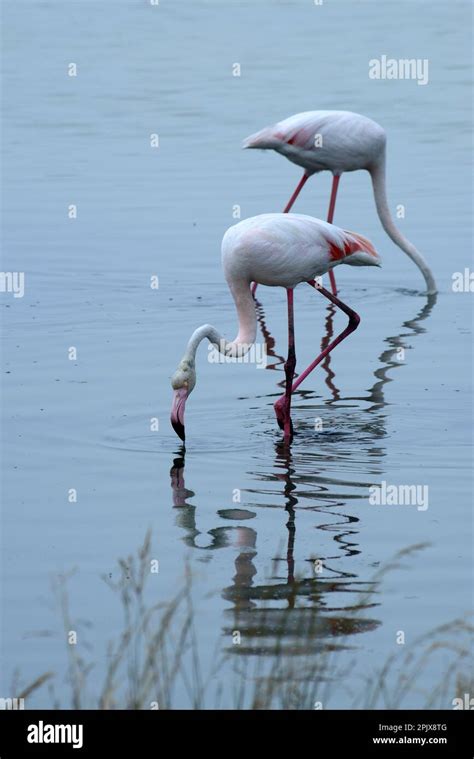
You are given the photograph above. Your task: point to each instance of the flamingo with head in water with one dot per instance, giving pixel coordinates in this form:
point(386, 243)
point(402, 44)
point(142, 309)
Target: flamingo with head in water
point(338, 141)
point(278, 250)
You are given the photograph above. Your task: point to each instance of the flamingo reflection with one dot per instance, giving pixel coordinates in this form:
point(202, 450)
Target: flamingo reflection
point(302, 611)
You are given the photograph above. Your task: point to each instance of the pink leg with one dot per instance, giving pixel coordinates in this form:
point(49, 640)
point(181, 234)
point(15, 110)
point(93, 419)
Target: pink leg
point(288, 207)
point(354, 319)
point(283, 411)
point(332, 205)
point(299, 187)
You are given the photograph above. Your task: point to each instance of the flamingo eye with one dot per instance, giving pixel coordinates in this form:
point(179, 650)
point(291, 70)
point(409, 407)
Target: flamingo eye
point(291, 141)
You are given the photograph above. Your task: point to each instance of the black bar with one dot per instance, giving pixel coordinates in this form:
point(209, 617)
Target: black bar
point(133, 733)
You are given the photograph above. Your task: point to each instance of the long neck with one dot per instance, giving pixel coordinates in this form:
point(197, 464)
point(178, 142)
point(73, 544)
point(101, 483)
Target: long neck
point(247, 317)
point(377, 173)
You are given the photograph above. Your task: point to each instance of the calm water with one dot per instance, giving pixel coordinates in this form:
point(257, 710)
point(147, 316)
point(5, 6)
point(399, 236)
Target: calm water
point(85, 423)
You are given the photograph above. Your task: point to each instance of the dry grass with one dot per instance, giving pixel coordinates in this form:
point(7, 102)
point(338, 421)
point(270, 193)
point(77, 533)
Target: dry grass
point(157, 652)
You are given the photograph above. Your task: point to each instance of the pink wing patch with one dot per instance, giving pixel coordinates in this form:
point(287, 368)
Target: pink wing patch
point(351, 244)
point(303, 137)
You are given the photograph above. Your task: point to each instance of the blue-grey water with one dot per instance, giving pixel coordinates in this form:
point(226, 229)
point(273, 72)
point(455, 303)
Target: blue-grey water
point(247, 514)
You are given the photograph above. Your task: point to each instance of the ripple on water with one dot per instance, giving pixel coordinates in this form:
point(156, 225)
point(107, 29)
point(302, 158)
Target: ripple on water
point(127, 435)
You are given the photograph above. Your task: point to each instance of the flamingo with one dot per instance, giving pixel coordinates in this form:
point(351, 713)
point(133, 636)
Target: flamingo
point(277, 250)
point(338, 141)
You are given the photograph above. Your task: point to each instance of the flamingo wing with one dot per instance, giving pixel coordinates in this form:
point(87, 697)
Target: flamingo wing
point(342, 244)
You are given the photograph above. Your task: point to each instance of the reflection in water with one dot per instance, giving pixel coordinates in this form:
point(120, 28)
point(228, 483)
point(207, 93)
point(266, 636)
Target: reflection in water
point(387, 358)
point(269, 340)
point(325, 365)
point(186, 515)
point(288, 611)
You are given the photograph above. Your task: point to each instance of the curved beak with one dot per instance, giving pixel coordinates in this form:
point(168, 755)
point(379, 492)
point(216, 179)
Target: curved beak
point(177, 411)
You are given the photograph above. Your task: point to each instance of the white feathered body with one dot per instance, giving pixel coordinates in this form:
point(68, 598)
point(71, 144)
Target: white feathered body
point(336, 141)
point(282, 250)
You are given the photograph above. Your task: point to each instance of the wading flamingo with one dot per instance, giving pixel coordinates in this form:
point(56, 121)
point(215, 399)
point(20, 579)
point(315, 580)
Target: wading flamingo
point(338, 141)
point(278, 250)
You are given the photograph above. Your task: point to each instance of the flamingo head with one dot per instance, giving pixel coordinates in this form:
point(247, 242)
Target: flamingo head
point(182, 382)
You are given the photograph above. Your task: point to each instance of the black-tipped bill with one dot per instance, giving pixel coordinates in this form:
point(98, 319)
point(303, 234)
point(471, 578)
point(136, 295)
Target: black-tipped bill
point(177, 411)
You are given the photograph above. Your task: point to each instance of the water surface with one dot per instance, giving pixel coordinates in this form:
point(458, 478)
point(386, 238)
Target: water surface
point(248, 514)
